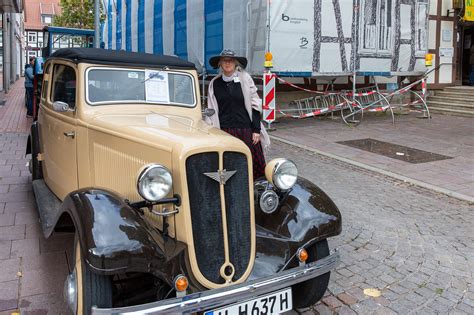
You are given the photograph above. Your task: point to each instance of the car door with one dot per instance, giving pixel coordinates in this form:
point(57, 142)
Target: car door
point(58, 130)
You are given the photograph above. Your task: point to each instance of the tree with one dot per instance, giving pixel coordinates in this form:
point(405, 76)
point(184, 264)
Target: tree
point(76, 14)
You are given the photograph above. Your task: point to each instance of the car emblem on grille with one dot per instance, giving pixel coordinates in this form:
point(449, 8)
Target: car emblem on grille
point(221, 176)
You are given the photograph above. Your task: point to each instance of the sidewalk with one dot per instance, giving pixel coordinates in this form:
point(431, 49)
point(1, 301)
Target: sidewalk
point(13, 113)
point(32, 269)
point(446, 135)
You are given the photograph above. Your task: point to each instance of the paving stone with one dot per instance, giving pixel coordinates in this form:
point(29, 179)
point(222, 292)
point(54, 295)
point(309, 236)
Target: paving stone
point(5, 248)
point(345, 272)
point(11, 179)
point(8, 295)
point(9, 269)
point(26, 247)
point(45, 261)
point(382, 301)
point(322, 309)
point(4, 188)
point(34, 231)
point(16, 196)
point(20, 187)
point(14, 232)
point(43, 304)
point(465, 308)
point(345, 310)
point(468, 301)
point(58, 242)
point(2, 207)
point(7, 219)
point(332, 302)
point(17, 162)
point(347, 299)
point(20, 206)
point(26, 217)
point(43, 281)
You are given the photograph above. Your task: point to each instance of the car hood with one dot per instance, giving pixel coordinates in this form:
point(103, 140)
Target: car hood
point(166, 131)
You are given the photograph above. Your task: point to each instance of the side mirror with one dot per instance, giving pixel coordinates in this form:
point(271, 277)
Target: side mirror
point(61, 107)
point(208, 112)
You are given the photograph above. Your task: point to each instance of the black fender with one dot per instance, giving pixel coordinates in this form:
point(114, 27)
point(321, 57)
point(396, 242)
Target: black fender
point(115, 238)
point(305, 215)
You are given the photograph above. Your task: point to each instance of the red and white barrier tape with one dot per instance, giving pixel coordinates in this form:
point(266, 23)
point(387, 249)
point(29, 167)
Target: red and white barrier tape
point(349, 94)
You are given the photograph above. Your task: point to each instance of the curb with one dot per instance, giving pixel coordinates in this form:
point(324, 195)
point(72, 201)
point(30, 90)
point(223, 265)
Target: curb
point(380, 171)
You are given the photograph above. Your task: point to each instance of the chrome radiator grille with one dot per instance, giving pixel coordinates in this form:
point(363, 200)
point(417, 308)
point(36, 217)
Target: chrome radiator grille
point(206, 200)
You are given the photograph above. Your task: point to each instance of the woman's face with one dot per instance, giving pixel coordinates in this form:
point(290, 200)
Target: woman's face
point(228, 65)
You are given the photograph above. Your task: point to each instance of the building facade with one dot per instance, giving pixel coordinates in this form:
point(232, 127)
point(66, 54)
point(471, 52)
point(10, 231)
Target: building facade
point(11, 24)
point(444, 42)
point(38, 14)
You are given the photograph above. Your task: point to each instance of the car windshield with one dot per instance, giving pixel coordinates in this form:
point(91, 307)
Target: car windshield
point(106, 85)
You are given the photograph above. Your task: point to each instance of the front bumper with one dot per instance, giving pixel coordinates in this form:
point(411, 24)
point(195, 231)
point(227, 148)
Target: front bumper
point(211, 299)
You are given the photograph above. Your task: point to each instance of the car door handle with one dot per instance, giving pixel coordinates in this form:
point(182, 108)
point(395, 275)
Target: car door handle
point(71, 134)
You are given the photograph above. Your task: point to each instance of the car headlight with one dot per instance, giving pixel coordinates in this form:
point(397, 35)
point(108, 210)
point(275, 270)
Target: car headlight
point(154, 182)
point(282, 173)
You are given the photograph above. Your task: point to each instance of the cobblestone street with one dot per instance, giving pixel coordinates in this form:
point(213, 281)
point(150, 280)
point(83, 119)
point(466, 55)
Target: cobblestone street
point(414, 245)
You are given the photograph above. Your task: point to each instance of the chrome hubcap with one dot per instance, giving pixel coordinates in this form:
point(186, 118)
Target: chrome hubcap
point(70, 291)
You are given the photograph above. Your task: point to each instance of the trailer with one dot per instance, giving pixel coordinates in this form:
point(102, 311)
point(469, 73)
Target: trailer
point(307, 38)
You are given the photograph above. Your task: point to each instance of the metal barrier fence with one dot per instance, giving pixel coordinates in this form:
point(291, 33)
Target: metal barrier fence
point(352, 104)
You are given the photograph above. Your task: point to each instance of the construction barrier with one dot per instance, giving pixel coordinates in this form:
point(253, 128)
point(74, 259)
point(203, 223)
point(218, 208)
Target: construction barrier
point(350, 104)
point(268, 105)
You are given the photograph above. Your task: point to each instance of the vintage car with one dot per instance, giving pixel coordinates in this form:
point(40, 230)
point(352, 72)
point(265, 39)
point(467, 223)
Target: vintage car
point(166, 213)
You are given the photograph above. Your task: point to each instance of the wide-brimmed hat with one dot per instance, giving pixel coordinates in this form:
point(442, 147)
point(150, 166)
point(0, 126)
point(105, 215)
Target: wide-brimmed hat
point(214, 61)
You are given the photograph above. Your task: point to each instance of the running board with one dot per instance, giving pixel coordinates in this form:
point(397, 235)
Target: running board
point(48, 205)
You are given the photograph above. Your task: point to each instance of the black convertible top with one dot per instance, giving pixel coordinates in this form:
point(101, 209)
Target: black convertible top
point(120, 57)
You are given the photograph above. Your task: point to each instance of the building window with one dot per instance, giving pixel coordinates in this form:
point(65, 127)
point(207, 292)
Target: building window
point(376, 31)
point(31, 37)
point(421, 26)
point(46, 19)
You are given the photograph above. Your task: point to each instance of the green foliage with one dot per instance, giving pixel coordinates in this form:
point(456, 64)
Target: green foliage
point(76, 14)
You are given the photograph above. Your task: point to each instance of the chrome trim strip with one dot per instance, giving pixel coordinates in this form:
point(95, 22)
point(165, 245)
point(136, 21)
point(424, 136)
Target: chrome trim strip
point(211, 299)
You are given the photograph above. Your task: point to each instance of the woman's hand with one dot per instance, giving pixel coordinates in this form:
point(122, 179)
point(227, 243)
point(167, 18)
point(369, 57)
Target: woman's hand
point(255, 138)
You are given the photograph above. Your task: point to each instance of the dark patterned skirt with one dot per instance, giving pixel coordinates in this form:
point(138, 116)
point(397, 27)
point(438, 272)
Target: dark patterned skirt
point(258, 159)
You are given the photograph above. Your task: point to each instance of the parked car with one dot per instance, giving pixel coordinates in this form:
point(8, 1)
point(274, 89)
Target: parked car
point(166, 214)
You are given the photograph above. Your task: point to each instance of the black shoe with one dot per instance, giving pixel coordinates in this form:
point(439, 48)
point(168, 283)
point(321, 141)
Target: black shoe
point(29, 116)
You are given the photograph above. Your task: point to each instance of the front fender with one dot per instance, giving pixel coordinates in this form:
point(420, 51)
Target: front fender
point(115, 238)
point(306, 215)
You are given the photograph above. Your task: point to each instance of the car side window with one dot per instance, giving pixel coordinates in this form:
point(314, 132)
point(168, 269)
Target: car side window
point(64, 85)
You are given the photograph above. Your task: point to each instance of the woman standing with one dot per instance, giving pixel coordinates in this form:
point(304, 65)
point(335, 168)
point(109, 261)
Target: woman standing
point(233, 96)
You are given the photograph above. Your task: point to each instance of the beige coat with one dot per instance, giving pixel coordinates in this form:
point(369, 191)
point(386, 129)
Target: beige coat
point(252, 101)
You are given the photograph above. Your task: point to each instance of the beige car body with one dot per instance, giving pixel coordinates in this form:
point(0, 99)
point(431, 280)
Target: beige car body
point(106, 146)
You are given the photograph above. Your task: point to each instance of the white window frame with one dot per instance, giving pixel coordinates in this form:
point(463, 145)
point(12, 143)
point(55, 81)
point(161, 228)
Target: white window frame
point(32, 37)
point(421, 51)
point(376, 49)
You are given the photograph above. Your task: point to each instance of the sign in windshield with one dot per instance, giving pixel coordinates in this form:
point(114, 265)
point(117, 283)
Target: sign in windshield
point(107, 85)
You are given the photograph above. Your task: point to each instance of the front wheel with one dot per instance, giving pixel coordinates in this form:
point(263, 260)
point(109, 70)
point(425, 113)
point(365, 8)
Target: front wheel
point(84, 288)
point(309, 292)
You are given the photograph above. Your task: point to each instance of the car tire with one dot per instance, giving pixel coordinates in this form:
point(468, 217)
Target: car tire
point(309, 292)
point(92, 289)
point(35, 164)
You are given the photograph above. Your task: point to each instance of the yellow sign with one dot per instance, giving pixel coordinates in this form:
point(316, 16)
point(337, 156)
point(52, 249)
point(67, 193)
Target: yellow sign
point(469, 10)
point(428, 60)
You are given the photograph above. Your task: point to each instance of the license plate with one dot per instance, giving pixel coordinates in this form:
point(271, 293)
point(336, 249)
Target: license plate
point(272, 303)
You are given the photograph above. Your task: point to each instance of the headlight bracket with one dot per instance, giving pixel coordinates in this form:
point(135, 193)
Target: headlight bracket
point(176, 200)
